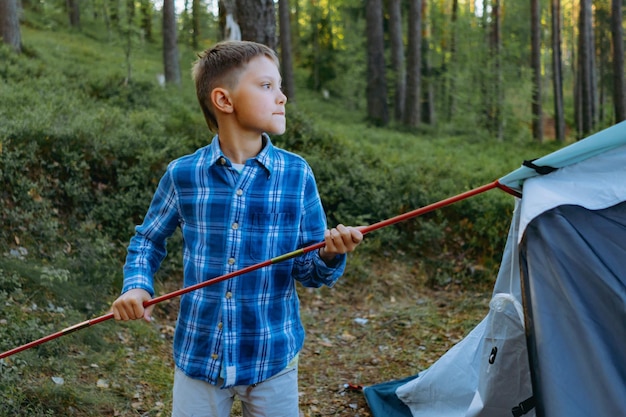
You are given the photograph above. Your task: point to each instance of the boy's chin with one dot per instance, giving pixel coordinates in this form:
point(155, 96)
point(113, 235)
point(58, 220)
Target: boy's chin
point(276, 131)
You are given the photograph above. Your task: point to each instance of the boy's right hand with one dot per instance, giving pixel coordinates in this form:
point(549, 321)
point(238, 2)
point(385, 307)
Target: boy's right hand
point(129, 306)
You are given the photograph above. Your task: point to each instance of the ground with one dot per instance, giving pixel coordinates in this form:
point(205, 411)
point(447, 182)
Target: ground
point(382, 321)
point(370, 329)
point(361, 338)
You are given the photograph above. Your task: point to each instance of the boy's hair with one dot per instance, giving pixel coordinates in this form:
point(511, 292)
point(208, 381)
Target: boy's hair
point(220, 66)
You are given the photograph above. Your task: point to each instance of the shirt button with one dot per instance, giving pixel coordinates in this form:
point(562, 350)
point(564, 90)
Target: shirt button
point(235, 226)
point(220, 325)
point(240, 192)
point(231, 261)
point(222, 161)
point(214, 356)
point(229, 295)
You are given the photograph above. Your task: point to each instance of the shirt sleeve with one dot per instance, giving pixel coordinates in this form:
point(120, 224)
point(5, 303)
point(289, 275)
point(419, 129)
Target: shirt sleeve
point(147, 247)
point(310, 269)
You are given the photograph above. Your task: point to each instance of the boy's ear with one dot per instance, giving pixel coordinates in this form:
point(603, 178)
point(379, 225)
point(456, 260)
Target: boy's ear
point(220, 99)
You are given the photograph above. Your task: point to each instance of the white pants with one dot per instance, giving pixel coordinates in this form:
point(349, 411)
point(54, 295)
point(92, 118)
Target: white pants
point(275, 397)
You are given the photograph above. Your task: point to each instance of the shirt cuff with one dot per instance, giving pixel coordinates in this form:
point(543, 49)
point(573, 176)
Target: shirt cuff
point(138, 283)
point(330, 274)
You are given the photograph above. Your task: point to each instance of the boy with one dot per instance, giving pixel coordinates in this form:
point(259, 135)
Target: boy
point(238, 201)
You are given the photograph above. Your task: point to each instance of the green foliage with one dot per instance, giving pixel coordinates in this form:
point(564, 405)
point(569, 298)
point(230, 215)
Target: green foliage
point(82, 152)
point(383, 174)
point(367, 174)
point(79, 151)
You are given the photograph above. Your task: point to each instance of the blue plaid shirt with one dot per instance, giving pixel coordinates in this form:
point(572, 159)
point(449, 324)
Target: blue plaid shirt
point(249, 325)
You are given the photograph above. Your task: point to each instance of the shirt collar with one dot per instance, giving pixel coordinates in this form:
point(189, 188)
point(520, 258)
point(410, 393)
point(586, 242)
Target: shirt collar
point(264, 158)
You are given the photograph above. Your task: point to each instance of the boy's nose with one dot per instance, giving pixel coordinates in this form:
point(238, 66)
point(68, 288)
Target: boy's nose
point(282, 98)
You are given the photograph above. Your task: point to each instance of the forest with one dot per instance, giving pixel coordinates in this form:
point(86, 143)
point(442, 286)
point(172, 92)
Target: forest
point(407, 62)
point(395, 104)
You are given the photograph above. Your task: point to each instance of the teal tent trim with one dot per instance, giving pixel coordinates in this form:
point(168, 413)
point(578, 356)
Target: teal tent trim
point(603, 141)
point(383, 401)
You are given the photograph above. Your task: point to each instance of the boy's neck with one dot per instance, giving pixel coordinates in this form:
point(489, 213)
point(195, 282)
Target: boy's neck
point(240, 148)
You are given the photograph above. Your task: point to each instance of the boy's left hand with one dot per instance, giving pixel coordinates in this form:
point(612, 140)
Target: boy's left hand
point(339, 240)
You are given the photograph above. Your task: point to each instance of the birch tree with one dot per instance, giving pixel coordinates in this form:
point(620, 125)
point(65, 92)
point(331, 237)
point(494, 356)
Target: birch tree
point(227, 13)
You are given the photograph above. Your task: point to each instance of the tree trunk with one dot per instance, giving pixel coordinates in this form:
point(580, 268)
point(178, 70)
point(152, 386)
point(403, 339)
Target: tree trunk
point(377, 110)
point(127, 32)
point(414, 61)
point(114, 8)
point(428, 102)
point(170, 48)
point(10, 25)
point(593, 68)
point(585, 83)
point(557, 71)
point(535, 62)
point(107, 19)
point(296, 30)
point(195, 24)
point(450, 65)
point(496, 50)
point(73, 11)
point(315, 22)
point(146, 19)
point(257, 21)
point(617, 32)
point(289, 85)
point(397, 57)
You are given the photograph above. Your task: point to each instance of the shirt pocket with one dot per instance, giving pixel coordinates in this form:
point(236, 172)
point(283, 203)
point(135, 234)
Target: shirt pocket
point(271, 234)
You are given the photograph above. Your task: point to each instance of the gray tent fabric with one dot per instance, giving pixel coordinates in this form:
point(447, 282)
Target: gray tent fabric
point(561, 342)
point(487, 373)
point(472, 379)
point(575, 296)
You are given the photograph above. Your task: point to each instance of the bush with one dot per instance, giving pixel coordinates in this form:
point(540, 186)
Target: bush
point(82, 153)
point(362, 182)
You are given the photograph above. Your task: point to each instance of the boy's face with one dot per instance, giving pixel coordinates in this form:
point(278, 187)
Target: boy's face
point(257, 99)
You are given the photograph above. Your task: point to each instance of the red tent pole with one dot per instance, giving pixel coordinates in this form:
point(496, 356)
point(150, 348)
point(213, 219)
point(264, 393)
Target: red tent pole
point(299, 252)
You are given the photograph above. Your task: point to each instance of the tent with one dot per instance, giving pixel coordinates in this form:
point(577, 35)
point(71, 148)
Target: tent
point(553, 342)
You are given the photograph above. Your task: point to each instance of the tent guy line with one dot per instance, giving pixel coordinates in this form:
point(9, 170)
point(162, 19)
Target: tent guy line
point(281, 258)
